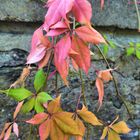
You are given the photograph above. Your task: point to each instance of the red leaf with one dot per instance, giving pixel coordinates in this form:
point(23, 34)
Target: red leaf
point(38, 118)
point(89, 35)
point(8, 133)
point(83, 57)
point(57, 29)
point(82, 11)
point(102, 4)
point(18, 109)
point(15, 129)
point(40, 43)
point(100, 88)
point(57, 10)
point(61, 57)
point(44, 129)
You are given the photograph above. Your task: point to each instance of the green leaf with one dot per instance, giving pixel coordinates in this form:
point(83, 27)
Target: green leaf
point(19, 94)
point(43, 97)
point(28, 106)
point(138, 53)
point(138, 46)
point(38, 106)
point(112, 45)
point(40, 79)
point(130, 51)
point(131, 44)
point(105, 49)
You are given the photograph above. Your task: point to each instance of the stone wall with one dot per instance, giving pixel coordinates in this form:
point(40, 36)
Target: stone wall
point(118, 21)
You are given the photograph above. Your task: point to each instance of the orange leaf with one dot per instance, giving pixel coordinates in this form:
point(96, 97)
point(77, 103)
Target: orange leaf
point(45, 60)
point(18, 109)
point(121, 127)
point(83, 57)
point(38, 118)
point(100, 88)
point(88, 116)
point(8, 133)
point(75, 65)
point(89, 35)
point(67, 124)
point(54, 106)
point(105, 75)
point(55, 132)
point(4, 129)
point(44, 129)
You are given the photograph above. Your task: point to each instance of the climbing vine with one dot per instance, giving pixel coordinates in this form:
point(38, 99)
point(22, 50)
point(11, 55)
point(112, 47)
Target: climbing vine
point(64, 40)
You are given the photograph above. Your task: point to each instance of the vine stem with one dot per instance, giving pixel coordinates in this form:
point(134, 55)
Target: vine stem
point(83, 88)
point(138, 14)
point(116, 87)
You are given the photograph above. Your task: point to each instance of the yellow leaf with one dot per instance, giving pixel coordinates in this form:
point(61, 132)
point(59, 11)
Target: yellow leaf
point(67, 124)
point(104, 133)
point(54, 106)
point(112, 135)
point(88, 116)
point(121, 127)
point(55, 132)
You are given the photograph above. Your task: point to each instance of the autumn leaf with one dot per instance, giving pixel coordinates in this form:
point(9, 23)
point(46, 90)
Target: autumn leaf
point(83, 57)
point(57, 9)
point(102, 76)
point(113, 130)
point(88, 34)
point(102, 4)
point(57, 29)
point(57, 123)
point(82, 11)
point(40, 44)
point(8, 133)
point(121, 128)
point(18, 108)
point(44, 129)
point(88, 116)
point(15, 129)
point(113, 135)
point(38, 118)
point(67, 124)
point(55, 132)
point(6, 126)
point(61, 53)
point(100, 87)
point(44, 61)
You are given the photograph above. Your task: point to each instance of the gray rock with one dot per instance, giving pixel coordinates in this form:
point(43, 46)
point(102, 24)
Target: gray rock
point(116, 13)
point(10, 41)
point(25, 10)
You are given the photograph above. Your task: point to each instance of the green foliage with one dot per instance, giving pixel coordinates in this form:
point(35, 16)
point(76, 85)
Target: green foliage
point(40, 79)
point(19, 94)
point(134, 49)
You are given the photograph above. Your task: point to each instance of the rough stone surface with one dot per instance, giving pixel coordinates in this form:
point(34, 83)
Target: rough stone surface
point(25, 10)
point(12, 61)
point(15, 40)
point(116, 13)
